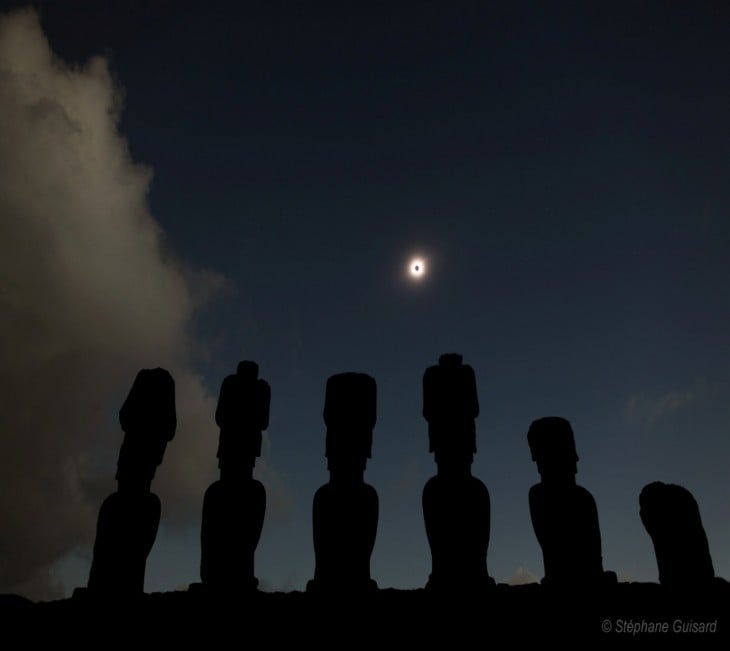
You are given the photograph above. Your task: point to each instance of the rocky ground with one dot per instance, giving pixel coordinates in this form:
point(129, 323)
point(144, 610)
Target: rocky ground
point(622, 613)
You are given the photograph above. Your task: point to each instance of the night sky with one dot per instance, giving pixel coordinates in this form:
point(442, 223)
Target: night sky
point(251, 183)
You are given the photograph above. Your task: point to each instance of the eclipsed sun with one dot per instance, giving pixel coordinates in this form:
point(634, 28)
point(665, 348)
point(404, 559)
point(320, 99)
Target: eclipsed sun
point(417, 268)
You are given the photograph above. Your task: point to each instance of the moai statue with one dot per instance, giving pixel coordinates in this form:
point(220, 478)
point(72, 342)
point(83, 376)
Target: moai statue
point(456, 506)
point(345, 510)
point(128, 519)
point(672, 519)
point(234, 506)
point(564, 514)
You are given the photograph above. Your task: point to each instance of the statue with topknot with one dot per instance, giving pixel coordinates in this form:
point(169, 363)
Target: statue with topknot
point(235, 505)
point(456, 505)
point(345, 509)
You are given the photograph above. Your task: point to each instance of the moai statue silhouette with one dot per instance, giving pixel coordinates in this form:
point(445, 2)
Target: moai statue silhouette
point(672, 518)
point(564, 514)
point(456, 506)
point(345, 510)
point(128, 519)
point(234, 506)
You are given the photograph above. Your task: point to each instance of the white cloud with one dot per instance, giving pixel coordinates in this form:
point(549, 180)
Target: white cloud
point(279, 497)
point(88, 295)
point(649, 409)
point(522, 576)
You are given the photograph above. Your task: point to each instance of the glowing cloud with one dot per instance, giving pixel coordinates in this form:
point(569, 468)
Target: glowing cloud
point(89, 296)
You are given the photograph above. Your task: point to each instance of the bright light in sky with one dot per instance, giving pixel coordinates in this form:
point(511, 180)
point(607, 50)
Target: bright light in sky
point(417, 268)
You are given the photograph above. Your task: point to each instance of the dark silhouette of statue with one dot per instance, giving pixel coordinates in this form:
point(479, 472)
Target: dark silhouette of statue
point(564, 514)
point(456, 506)
point(345, 510)
point(672, 519)
point(128, 519)
point(234, 506)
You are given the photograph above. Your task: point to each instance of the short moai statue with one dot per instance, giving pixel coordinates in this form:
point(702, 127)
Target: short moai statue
point(564, 514)
point(235, 505)
point(345, 510)
point(456, 505)
point(128, 519)
point(672, 518)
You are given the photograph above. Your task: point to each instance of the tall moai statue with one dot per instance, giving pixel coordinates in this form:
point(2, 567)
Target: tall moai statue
point(672, 518)
point(234, 506)
point(564, 514)
point(345, 510)
point(128, 519)
point(456, 505)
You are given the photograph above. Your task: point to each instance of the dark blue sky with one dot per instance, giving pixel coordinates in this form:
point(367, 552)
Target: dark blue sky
point(564, 171)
